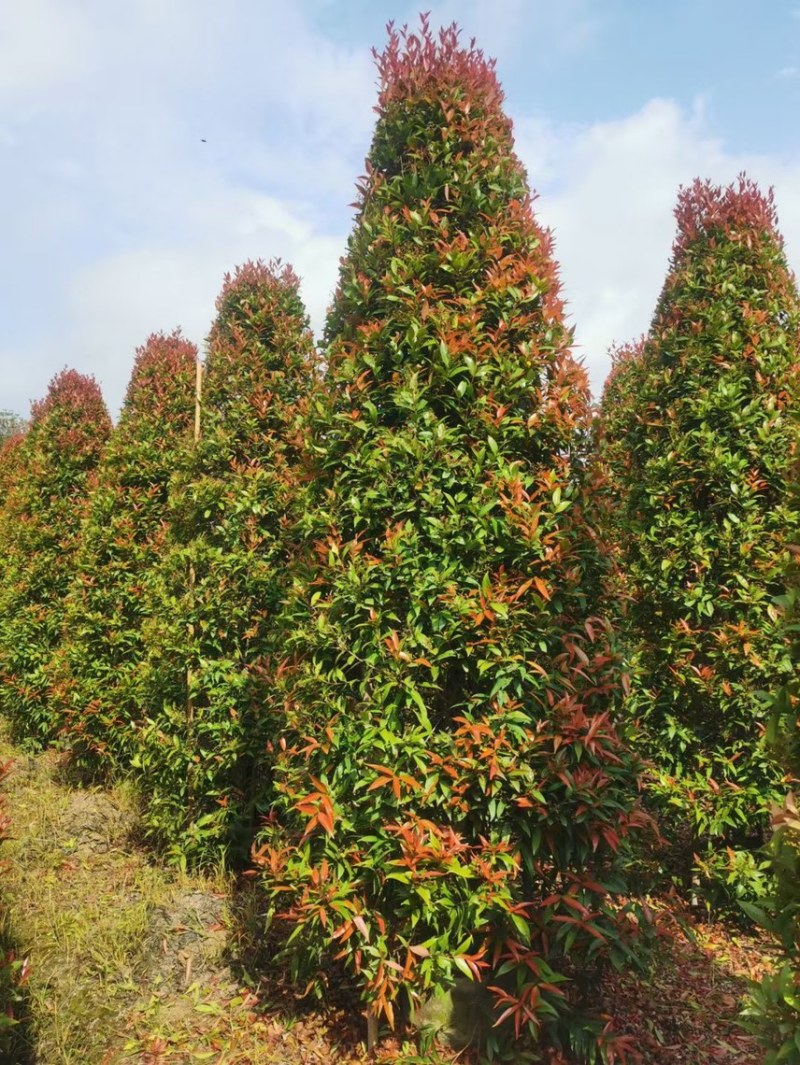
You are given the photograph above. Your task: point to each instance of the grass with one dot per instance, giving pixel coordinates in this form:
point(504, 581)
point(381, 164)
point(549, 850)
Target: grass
point(129, 960)
point(80, 914)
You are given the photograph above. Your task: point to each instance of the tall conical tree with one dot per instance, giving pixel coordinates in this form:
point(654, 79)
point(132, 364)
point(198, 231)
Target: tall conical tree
point(701, 449)
point(219, 582)
point(39, 529)
point(120, 542)
point(450, 782)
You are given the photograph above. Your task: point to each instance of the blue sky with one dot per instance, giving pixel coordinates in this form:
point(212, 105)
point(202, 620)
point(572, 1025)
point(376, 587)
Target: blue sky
point(117, 220)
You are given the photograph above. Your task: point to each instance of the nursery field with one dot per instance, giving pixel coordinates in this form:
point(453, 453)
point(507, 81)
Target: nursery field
point(387, 696)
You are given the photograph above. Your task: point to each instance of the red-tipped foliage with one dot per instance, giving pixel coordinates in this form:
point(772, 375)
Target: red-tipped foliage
point(626, 360)
point(417, 65)
point(452, 788)
point(71, 420)
point(38, 536)
point(157, 390)
point(735, 212)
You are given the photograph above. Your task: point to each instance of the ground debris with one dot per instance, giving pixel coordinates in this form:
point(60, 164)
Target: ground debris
point(685, 1011)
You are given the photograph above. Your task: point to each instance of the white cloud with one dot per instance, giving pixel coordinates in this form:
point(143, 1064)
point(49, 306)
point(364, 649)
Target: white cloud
point(609, 194)
point(115, 302)
point(118, 219)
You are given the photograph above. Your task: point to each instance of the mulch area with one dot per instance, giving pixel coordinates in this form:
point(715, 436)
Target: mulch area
point(684, 1012)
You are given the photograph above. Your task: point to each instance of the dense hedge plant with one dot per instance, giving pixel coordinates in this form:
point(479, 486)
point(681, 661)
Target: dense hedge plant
point(699, 438)
point(12, 437)
point(214, 594)
point(774, 1009)
point(120, 542)
point(39, 527)
point(10, 464)
point(610, 454)
point(451, 788)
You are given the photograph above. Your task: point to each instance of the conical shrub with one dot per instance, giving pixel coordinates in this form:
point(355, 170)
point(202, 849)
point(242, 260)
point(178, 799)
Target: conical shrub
point(217, 588)
point(452, 791)
point(39, 528)
point(700, 444)
point(120, 542)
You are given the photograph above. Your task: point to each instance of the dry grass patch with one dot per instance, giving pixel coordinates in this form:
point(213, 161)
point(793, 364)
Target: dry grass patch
point(130, 961)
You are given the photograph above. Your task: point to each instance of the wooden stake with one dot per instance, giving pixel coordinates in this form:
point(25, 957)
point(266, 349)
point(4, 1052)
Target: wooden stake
point(372, 1031)
point(198, 397)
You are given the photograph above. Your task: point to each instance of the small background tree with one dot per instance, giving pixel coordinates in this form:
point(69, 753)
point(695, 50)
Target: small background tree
point(452, 791)
point(120, 542)
point(215, 593)
point(699, 438)
point(39, 528)
point(10, 425)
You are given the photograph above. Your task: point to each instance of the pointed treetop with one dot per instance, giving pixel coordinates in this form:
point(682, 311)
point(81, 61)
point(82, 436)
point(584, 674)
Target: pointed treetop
point(413, 64)
point(254, 280)
point(160, 369)
point(736, 211)
point(722, 231)
point(72, 414)
point(624, 359)
point(258, 302)
point(72, 390)
point(255, 276)
point(444, 218)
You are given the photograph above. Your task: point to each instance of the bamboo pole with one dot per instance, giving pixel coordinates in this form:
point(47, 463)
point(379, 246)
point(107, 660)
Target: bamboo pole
point(198, 398)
